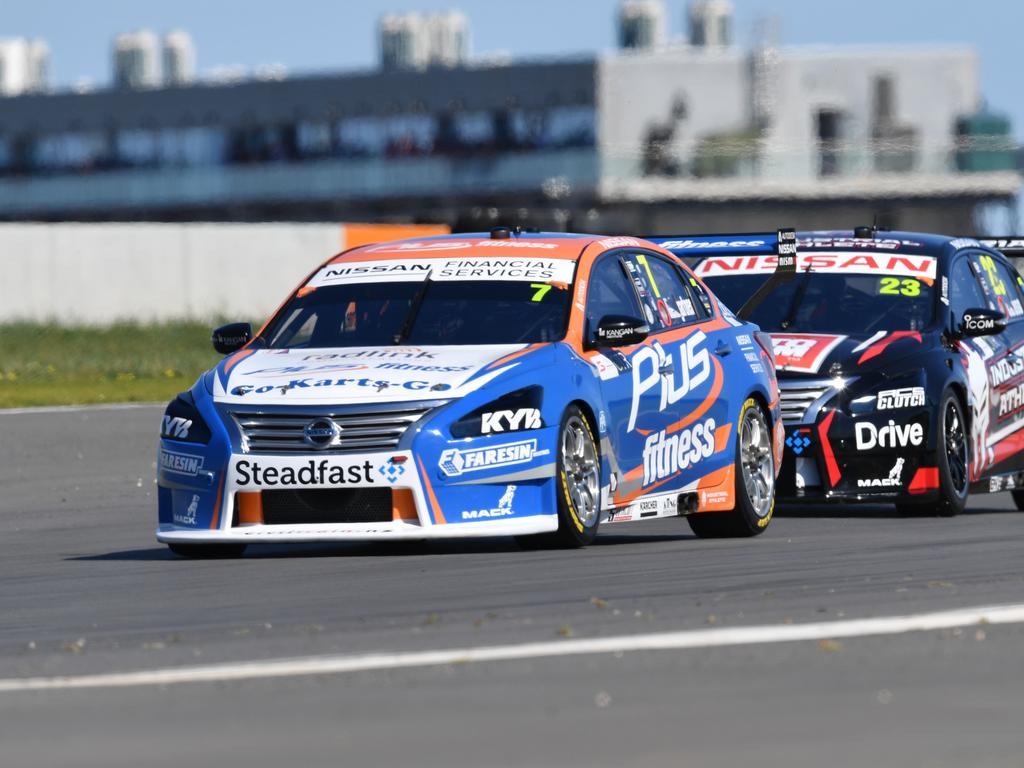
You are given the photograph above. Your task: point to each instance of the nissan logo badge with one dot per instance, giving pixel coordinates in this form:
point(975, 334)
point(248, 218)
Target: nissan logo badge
point(320, 433)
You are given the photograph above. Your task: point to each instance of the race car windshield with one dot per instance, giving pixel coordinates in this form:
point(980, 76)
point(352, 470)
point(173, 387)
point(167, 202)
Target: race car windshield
point(423, 313)
point(847, 303)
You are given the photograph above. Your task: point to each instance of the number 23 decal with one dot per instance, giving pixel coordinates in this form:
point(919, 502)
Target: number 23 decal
point(893, 286)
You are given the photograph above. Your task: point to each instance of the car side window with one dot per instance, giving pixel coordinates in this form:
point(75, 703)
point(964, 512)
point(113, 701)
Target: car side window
point(667, 301)
point(1001, 289)
point(964, 291)
point(609, 292)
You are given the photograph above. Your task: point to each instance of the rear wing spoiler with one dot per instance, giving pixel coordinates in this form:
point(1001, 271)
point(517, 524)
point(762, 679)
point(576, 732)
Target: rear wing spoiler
point(781, 244)
point(702, 246)
point(1012, 247)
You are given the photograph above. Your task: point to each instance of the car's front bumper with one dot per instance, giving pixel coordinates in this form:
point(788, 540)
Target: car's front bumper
point(400, 495)
point(822, 462)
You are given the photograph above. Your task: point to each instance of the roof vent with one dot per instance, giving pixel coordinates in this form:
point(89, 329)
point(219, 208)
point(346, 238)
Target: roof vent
point(501, 233)
point(864, 233)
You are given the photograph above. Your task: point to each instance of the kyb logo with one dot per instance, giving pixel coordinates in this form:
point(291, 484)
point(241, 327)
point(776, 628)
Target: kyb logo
point(176, 427)
point(654, 367)
point(892, 435)
point(510, 421)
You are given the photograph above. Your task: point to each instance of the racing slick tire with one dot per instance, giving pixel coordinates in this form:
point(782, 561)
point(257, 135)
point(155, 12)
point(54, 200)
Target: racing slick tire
point(208, 551)
point(954, 458)
point(578, 478)
point(754, 478)
point(1018, 498)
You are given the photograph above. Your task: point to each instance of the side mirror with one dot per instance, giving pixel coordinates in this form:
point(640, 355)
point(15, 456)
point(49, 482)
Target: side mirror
point(620, 331)
point(982, 322)
point(231, 337)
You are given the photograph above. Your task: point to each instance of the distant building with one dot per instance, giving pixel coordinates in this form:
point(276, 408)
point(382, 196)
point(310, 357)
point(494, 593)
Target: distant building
point(656, 140)
point(179, 59)
point(404, 44)
point(642, 24)
point(137, 60)
point(710, 23)
point(409, 41)
point(447, 39)
point(24, 66)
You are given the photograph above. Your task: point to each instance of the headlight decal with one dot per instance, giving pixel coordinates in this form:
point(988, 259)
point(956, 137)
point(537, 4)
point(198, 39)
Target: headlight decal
point(517, 411)
point(183, 422)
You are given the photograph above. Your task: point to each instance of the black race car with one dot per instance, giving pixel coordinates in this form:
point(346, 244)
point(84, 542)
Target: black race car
point(900, 359)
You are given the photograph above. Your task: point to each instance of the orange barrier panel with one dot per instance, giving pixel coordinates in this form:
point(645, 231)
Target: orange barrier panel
point(353, 235)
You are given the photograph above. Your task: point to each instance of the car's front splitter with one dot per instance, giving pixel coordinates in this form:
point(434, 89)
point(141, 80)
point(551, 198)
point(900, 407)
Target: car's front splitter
point(250, 534)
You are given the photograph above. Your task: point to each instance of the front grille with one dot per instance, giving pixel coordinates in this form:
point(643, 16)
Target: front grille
point(363, 428)
point(797, 399)
point(322, 506)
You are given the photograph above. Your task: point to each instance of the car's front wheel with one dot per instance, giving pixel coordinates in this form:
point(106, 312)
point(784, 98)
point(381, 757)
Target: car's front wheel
point(953, 457)
point(208, 551)
point(754, 478)
point(578, 478)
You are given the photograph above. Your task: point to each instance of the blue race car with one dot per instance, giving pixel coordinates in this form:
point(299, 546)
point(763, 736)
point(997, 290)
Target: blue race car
point(477, 385)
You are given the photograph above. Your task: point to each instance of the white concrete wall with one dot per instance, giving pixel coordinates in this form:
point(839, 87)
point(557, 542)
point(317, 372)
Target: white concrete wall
point(100, 273)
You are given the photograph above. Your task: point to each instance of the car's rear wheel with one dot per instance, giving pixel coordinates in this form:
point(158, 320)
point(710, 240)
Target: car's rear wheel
point(578, 478)
point(1018, 499)
point(754, 479)
point(953, 457)
point(208, 551)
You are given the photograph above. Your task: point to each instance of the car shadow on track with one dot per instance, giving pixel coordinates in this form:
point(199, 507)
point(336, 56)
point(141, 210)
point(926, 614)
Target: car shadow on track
point(377, 549)
point(876, 511)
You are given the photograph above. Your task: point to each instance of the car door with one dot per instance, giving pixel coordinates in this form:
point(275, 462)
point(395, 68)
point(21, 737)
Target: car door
point(611, 292)
point(1000, 284)
point(675, 404)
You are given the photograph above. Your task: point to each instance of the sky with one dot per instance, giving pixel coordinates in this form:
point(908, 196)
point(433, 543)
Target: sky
point(323, 35)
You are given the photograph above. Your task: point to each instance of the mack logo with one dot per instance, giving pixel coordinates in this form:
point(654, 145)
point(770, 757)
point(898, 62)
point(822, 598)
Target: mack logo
point(510, 421)
point(454, 462)
point(180, 463)
point(176, 427)
point(682, 376)
point(503, 509)
point(891, 436)
point(892, 481)
point(189, 516)
point(664, 455)
point(905, 397)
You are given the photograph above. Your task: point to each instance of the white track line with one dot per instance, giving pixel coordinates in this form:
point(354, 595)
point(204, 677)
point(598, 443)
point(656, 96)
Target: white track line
point(74, 408)
point(698, 638)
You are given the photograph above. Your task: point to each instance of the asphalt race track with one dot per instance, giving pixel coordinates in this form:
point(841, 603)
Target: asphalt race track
point(85, 589)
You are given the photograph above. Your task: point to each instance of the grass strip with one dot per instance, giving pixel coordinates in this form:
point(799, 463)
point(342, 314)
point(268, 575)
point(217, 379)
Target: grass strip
point(50, 364)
